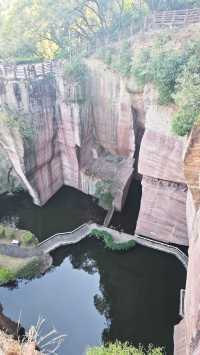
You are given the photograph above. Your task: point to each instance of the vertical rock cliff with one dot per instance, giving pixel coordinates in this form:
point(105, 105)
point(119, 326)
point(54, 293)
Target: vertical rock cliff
point(163, 207)
point(187, 334)
point(80, 133)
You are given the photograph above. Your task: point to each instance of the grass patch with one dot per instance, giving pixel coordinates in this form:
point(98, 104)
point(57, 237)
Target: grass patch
point(26, 238)
point(30, 270)
point(6, 275)
point(124, 349)
point(16, 268)
point(110, 243)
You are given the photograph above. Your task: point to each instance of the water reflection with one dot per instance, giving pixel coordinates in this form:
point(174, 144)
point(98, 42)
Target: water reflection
point(94, 295)
point(138, 291)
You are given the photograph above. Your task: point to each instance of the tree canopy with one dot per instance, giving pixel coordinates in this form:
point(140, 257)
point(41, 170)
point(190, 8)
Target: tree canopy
point(48, 28)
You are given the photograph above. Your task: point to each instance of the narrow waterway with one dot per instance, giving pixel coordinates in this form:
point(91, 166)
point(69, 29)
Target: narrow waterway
point(91, 294)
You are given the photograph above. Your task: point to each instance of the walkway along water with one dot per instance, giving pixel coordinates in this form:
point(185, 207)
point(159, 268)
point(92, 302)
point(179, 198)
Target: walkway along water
point(83, 231)
point(75, 236)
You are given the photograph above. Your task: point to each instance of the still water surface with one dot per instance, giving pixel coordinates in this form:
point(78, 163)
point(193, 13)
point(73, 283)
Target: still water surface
point(91, 294)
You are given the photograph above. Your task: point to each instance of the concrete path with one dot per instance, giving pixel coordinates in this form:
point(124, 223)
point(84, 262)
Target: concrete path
point(62, 239)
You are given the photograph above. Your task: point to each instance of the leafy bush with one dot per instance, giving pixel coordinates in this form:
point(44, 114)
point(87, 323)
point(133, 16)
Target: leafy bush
point(109, 243)
point(27, 238)
point(161, 67)
point(187, 99)
point(120, 61)
point(175, 74)
point(141, 66)
point(6, 275)
point(124, 349)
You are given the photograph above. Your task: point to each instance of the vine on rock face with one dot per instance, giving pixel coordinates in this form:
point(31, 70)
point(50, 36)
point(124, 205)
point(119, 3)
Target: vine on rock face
point(13, 119)
point(104, 194)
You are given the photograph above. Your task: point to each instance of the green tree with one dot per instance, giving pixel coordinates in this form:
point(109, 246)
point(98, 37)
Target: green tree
point(124, 349)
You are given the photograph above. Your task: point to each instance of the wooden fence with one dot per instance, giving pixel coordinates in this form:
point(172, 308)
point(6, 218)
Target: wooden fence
point(172, 19)
point(162, 19)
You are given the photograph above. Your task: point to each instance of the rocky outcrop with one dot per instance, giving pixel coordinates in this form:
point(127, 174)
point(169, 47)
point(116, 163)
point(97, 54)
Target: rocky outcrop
point(163, 206)
point(80, 134)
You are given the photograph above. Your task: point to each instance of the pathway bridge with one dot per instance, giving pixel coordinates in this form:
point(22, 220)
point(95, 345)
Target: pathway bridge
point(62, 239)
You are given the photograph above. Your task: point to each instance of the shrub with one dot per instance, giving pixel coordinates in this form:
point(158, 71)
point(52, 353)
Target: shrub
point(187, 99)
point(124, 349)
point(161, 67)
point(109, 243)
point(27, 238)
point(120, 61)
point(141, 67)
point(123, 61)
point(6, 275)
point(166, 67)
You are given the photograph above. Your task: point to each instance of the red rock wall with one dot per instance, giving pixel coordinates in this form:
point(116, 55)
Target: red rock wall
point(80, 135)
point(162, 213)
point(190, 326)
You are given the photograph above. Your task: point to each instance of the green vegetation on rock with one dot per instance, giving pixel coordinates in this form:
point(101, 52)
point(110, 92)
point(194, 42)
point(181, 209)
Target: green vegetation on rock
point(175, 74)
point(12, 268)
point(110, 243)
point(75, 70)
point(14, 120)
point(30, 270)
point(124, 349)
point(118, 60)
point(104, 194)
point(6, 275)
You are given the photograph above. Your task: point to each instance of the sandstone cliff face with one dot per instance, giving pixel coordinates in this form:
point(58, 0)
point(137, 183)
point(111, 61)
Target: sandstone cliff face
point(163, 207)
point(188, 331)
point(81, 134)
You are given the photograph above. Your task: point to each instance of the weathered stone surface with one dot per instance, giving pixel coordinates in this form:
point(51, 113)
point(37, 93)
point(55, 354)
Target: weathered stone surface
point(80, 135)
point(12, 146)
point(190, 327)
point(192, 164)
point(162, 213)
point(111, 110)
point(161, 157)
point(9, 182)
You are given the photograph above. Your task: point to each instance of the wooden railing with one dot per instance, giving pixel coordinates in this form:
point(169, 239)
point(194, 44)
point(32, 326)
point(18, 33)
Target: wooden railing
point(177, 18)
point(29, 71)
point(158, 20)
